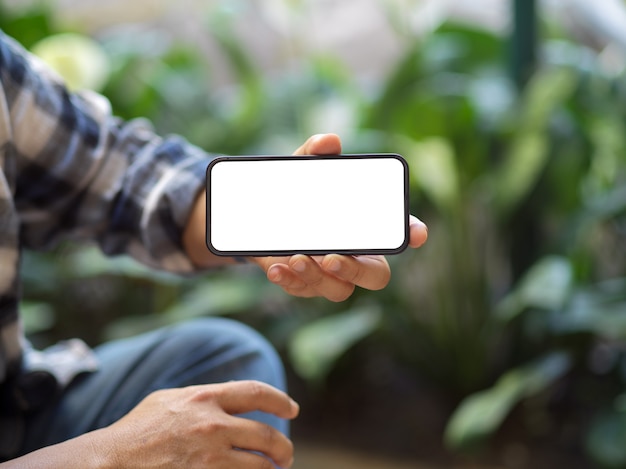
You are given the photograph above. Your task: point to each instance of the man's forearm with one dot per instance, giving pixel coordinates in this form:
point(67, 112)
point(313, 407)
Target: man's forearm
point(84, 452)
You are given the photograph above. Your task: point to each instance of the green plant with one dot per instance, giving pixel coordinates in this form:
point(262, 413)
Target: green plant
point(474, 167)
point(556, 177)
point(503, 180)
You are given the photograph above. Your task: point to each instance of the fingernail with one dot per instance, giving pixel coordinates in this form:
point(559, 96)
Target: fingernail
point(295, 405)
point(419, 223)
point(334, 265)
point(299, 266)
point(274, 275)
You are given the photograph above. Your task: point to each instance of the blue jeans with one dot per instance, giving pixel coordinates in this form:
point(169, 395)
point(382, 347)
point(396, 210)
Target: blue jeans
point(210, 350)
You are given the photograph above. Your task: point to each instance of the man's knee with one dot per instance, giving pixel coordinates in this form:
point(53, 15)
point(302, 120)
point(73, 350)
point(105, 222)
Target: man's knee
point(229, 348)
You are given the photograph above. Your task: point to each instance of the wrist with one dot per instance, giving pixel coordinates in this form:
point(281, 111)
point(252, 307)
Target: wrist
point(100, 450)
point(194, 239)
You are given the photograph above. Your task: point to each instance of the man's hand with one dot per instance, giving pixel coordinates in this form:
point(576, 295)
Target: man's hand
point(195, 427)
point(186, 428)
point(333, 276)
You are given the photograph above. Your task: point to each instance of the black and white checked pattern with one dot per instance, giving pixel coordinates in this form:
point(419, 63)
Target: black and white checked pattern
point(69, 170)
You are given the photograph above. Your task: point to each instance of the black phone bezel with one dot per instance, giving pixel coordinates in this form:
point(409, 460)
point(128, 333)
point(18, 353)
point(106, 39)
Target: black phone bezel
point(310, 252)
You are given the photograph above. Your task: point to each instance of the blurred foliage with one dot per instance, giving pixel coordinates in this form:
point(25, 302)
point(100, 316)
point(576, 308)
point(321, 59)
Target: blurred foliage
point(519, 294)
point(28, 25)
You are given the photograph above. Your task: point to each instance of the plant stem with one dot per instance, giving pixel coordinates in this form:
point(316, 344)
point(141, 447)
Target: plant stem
point(523, 53)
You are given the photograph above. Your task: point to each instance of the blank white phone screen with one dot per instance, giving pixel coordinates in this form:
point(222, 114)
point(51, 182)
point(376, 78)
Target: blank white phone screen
point(310, 205)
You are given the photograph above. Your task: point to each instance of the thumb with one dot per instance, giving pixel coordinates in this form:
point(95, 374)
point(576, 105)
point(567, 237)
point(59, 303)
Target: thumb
point(321, 144)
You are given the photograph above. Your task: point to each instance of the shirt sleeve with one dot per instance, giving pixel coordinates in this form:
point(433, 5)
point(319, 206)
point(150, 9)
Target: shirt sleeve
point(77, 172)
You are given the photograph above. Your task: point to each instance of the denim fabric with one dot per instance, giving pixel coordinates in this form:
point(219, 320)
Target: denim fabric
point(203, 351)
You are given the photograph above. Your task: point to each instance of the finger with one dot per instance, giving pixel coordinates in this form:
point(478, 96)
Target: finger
point(326, 285)
point(418, 232)
point(309, 280)
point(321, 144)
point(370, 272)
point(251, 435)
point(240, 397)
point(278, 271)
point(292, 282)
point(284, 277)
point(281, 274)
point(266, 262)
point(274, 267)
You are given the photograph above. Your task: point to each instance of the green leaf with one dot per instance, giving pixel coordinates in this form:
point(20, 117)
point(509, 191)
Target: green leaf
point(599, 309)
point(605, 440)
point(36, 316)
point(523, 166)
point(215, 296)
point(27, 25)
point(315, 348)
point(470, 47)
point(398, 86)
point(547, 90)
point(90, 262)
point(433, 168)
point(547, 285)
point(130, 326)
point(218, 296)
point(482, 413)
point(529, 151)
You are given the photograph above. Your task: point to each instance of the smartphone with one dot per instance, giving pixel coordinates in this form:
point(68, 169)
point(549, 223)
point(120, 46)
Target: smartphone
point(315, 205)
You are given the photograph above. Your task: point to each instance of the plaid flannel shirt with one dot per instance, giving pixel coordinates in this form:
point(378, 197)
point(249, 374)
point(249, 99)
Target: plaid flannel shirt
point(69, 170)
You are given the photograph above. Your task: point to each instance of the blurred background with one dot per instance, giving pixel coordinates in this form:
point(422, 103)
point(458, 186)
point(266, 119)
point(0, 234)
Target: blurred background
point(501, 343)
